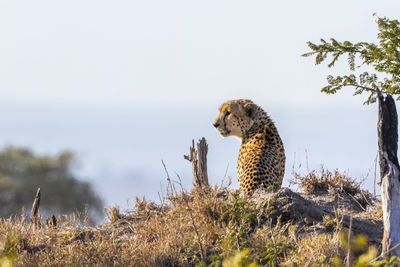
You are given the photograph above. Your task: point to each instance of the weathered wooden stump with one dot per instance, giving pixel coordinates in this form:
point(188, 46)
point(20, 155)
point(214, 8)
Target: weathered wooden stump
point(389, 170)
point(35, 208)
point(198, 158)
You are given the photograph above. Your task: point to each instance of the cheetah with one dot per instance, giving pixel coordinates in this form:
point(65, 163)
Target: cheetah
point(261, 161)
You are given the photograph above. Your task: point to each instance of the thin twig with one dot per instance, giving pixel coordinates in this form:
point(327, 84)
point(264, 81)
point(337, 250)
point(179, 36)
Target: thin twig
point(168, 177)
point(376, 162)
point(272, 234)
point(359, 204)
point(369, 89)
point(380, 256)
point(191, 216)
point(348, 263)
point(166, 171)
point(226, 171)
point(308, 169)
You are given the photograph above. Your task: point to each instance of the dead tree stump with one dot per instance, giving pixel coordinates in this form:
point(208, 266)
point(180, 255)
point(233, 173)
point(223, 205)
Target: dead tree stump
point(389, 170)
point(35, 208)
point(198, 158)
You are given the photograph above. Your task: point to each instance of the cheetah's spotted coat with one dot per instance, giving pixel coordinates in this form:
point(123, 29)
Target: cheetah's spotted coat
point(261, 161)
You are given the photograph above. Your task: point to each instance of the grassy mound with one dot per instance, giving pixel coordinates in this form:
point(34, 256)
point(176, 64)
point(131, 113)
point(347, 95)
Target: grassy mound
point(214, 227)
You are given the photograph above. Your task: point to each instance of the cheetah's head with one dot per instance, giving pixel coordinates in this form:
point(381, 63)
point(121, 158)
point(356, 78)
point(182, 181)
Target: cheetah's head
point(235, 118)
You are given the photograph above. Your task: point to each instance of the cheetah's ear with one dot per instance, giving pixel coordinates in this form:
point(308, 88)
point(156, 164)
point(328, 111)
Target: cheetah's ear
point(250, 109)
point(237, 109)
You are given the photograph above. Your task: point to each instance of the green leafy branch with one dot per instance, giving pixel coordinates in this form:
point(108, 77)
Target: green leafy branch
point(383, 57)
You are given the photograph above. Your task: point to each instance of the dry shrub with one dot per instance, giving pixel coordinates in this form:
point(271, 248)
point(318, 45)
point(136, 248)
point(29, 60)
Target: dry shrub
point(335, 182)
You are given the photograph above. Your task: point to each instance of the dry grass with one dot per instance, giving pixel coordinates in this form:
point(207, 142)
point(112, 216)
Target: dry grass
point(315, 250)
point(334, 183)
point(376, 212)
point(199, 227)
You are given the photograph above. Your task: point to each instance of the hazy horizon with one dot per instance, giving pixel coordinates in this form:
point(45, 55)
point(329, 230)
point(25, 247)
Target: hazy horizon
point(123, 159)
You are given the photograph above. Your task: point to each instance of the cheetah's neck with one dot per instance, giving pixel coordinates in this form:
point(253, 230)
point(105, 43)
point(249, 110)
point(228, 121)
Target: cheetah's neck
point(262, 123)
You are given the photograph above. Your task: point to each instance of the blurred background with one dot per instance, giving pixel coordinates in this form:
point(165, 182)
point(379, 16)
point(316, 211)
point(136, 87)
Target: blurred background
point(94, 94)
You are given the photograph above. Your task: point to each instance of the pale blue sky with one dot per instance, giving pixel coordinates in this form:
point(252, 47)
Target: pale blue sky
point(128, 83)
